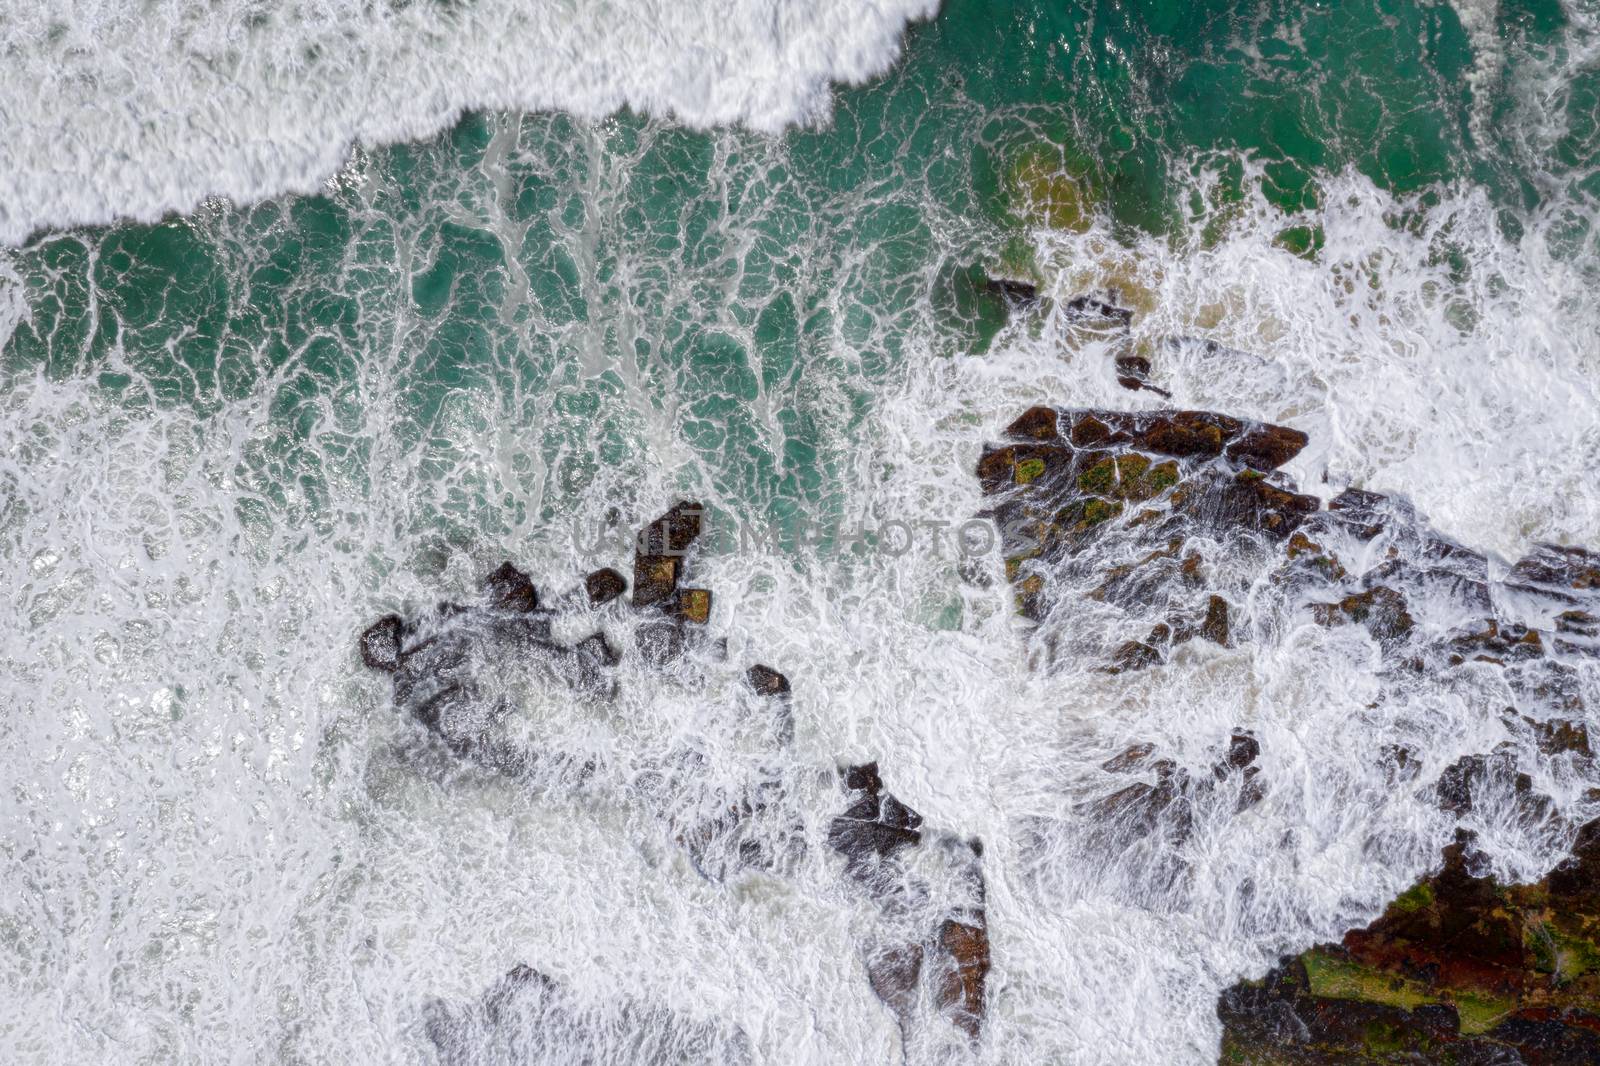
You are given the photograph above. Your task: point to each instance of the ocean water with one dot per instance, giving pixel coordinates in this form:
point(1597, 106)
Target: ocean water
point(313, 312)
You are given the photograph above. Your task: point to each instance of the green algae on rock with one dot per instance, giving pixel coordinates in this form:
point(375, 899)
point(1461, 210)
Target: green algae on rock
point(1459, 969)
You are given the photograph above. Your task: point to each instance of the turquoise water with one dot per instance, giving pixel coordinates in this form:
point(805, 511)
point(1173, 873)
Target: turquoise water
point(238, 433)
point(535, 271)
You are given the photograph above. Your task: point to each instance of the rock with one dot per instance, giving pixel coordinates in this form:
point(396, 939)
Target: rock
point(1382, 610)
point(894, 973)
point(1086, 308)
point(530, 1017)
point(965, 962)
point(1016, 293)
point(1457, 969)
point(1067, 478)
point(509, 589)
point(1131, 758)
point(1215, 627)
point(1243, 748)
point(1554, 568)
point(874, 826)
point(766, 681)
point(660, 641)
point(874, 834)
point(662, 545)
point(381, 643)
point(1265, 447)
point(1140, 810)
point(1036, 423)
point(1134, 655)
point(603, 586)
point(694, 605)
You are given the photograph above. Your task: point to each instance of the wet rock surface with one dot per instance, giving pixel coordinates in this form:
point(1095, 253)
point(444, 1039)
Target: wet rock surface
point(941, 964)
point(443, 664)
point(1172, 525)
point(1459, 969)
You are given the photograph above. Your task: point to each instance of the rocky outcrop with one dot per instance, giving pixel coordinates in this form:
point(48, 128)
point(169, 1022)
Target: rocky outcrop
point(1066, 483)
point(1177, 525)
point(945, 962)
point(443, 665)
point(1458, 969)
point(1141, 510)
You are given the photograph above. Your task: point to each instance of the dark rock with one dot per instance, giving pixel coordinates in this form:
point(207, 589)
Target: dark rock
point(660, 641)
point(603, 586)
point(1015, 292)
point(509, 589)
point(1243, 748)
point(875, 826)
point(1089, 308)
point(381, 643)
point(1134, 655)
point(766, 681)
point(895, 973)
point(598, 650)
point(1131, 758)
point(1554, 568)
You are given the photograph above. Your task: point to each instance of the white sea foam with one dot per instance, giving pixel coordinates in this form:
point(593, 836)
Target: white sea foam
point(117, 110)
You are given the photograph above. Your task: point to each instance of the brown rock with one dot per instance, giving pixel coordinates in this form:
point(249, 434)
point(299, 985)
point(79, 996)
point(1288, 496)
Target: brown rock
point(603, 586)
point(1187, 434)
point(1267, 447)
point(960, 994)
point(658, 561)
point(1215, 627)
point(694, 605)
point(1036, 423)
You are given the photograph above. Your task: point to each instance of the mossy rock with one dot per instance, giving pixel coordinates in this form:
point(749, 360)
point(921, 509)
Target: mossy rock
point(1100, 479)
point(1028, 470)
point(694, 605)
point(1097, 511)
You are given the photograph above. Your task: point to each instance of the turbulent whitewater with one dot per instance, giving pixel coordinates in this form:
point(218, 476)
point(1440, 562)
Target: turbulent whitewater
point(430, 302)
point(131, 111)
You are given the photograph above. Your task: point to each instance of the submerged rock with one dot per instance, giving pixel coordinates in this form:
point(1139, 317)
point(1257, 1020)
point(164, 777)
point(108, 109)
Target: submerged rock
point(1458, 969)
point(529, 1017)
point(444, 665)
point(382, 643)
point(1015, 292)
